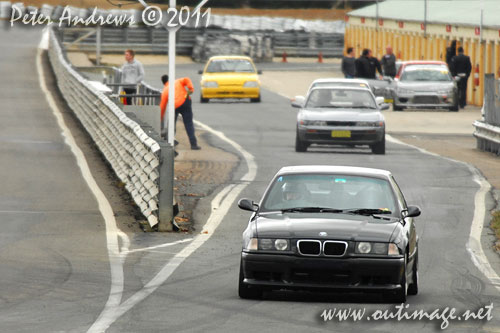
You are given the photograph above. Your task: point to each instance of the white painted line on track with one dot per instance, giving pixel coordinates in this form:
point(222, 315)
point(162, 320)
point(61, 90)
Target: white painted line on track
point(159, 246)
point(220, 205)
point(473, 245)
point(112, 231)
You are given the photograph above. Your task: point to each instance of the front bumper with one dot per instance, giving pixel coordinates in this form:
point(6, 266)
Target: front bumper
point(230, 92)
point(425, 100)
point(325, 135)
point(296, 272)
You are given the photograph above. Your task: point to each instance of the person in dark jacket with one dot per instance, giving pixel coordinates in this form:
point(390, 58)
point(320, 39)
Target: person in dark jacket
point(349, 64)
point(451, 51)
point(389, 62)
point(461, 67)
point(366, 65)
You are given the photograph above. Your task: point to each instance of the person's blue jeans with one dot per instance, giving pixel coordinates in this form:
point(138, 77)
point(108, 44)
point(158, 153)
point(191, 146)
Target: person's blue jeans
point(347, 76)
point(187, 117)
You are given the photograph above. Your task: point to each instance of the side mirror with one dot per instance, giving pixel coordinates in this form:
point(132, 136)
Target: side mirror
point(249, 205)
point(379, 100)
point(259, 71)
point(384, 106)
point(413, 211)
point(200, 71)
point(298, 101)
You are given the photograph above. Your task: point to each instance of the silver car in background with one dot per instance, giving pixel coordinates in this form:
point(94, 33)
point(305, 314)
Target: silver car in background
point(345, 116)
point(334, 81)
point(425, 84)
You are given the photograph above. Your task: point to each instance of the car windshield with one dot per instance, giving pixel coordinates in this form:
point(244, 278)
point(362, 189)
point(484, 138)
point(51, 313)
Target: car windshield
point(230, 65)
point(340, 98)
point(340, 84)
point(329, 191)
point(426, 73)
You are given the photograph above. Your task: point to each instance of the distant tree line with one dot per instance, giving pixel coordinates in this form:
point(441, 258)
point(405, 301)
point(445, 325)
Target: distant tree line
point(275, 4)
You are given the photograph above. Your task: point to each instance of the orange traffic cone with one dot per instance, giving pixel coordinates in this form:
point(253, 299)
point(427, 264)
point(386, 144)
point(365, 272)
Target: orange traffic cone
point(320, 57)
point(476, 76)
point(284, 57)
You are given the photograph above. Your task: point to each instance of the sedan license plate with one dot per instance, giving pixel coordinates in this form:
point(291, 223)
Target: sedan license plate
point(341, 134)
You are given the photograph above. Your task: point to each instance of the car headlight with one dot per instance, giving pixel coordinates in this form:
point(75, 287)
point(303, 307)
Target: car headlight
point(314, 123)
point(210, 84)
point(377, 248)
point(267, 244)
point(251, 84)
point(405, 91)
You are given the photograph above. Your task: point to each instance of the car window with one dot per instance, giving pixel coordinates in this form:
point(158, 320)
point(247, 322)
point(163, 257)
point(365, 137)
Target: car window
point(230, 65)
point(334, 191)
point(340, 84)
point(426, 73)
point(340, 98)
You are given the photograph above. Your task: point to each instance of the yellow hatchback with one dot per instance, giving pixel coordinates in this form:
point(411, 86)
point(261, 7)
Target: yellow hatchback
point(230, 77)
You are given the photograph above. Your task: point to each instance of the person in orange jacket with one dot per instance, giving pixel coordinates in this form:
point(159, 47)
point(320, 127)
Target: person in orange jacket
point(183, 88)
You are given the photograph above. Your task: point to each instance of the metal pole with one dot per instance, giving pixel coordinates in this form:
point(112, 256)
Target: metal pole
point(171, 80)
point(376, 15)
point(425, 18)
point(98, 46)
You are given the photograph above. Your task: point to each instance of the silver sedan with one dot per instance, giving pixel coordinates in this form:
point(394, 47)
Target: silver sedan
point(425, 85)
point(346, 116)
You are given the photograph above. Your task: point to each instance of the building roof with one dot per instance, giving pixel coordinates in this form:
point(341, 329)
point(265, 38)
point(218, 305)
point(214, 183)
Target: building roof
point(454, 12)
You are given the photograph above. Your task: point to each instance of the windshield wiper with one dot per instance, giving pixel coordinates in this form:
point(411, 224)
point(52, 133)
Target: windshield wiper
point(362, 107)
point(311, 210)
point(367, 211)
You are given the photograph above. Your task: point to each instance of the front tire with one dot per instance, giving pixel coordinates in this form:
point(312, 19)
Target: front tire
point(396, 107)
point(379, 147)
point(204, 100)
point(300, 146)
point(413, 286)
point(245, 291)
point(454, 108)
point(255, 100)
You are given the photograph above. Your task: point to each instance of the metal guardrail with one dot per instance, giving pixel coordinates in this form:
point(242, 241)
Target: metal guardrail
point(487, 132)
point(135, 157)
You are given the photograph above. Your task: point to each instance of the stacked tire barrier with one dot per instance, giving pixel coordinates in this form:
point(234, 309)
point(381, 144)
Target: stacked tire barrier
point(487, 132)
point(133, 154)
point(258, 46)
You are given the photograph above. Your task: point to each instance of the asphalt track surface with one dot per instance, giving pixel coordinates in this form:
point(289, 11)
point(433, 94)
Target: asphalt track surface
point(55, 275)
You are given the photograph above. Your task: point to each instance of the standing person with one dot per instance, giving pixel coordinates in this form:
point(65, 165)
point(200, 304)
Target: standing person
point(182, 103)
point(461, 67)
point(451, 51)
point(349, 64)
point(363, 66)
point(132, 73)
point(389, 62)
point(374, 66)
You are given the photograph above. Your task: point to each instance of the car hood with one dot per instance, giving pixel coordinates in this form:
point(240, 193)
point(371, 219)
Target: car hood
point(431, 86)
point(341, 115)
point(230, 78)
point(337, 226)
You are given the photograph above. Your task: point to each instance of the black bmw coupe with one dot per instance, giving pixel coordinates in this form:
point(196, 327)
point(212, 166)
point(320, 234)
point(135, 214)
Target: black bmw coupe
point(330, 227)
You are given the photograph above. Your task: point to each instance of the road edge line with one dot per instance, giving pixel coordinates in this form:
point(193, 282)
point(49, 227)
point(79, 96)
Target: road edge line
point(473, 245)
point(220, 205)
